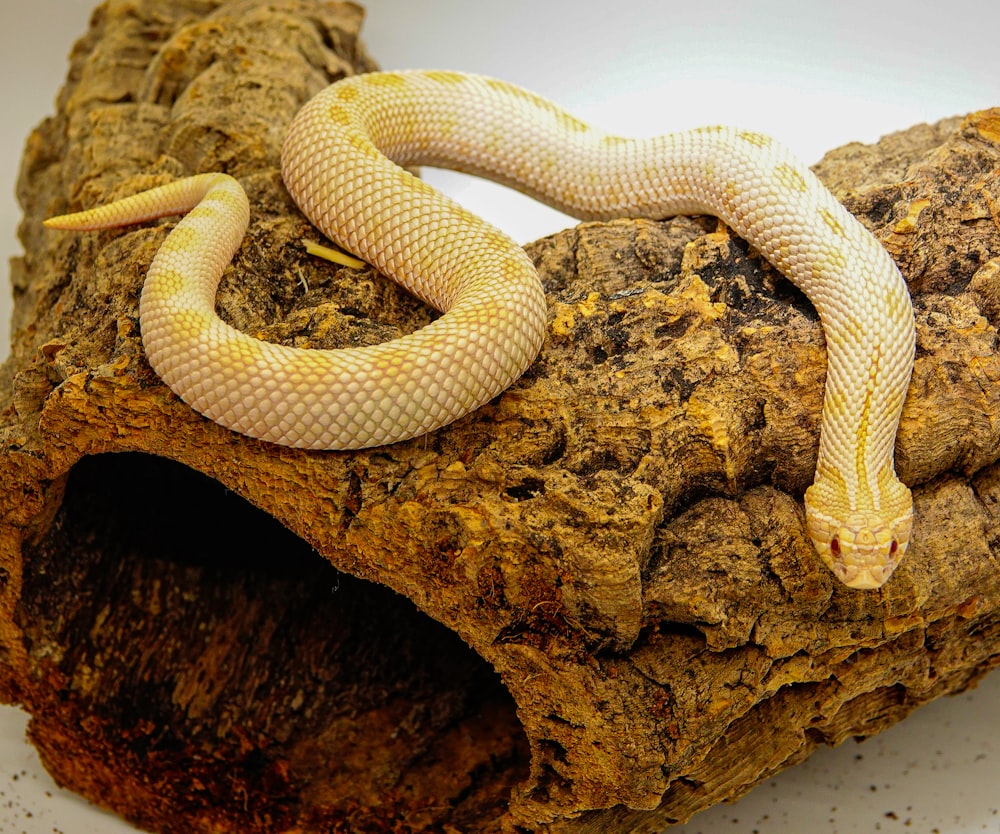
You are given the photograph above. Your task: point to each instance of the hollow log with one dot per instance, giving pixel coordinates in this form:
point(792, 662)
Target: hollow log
point(589, 606)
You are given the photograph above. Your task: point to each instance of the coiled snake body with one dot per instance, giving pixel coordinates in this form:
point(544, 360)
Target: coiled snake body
point(342, 162)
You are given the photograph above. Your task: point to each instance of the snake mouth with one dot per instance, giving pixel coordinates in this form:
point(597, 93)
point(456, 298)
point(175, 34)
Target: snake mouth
point(862, 577)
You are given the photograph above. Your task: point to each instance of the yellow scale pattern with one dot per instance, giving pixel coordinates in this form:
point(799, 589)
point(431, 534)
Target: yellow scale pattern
point(343, 162)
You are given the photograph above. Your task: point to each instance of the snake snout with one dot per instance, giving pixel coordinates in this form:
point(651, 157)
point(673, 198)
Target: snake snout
point(864, 566)
point(862, 549)
point(863, 557)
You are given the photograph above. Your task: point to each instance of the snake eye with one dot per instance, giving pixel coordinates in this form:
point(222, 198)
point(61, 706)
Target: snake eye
point(893, 547)
point(835, 545)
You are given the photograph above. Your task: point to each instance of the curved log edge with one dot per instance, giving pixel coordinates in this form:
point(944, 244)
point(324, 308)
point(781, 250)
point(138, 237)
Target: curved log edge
point(589, 606)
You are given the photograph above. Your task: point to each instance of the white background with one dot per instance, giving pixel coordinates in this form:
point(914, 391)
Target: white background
point(813, 75)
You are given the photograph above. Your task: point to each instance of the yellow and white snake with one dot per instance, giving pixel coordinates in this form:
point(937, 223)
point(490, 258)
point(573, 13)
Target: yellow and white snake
point(343, 162)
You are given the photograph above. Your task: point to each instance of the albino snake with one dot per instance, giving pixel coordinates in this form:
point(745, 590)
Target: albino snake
point(336, 164)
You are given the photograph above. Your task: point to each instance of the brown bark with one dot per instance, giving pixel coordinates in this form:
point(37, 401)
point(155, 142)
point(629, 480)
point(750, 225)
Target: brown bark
point(589, 606)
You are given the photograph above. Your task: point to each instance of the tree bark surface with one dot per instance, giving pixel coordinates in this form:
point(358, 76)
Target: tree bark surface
point(589, 606)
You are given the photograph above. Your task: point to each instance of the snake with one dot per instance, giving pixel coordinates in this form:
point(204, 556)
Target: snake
point(344, 161)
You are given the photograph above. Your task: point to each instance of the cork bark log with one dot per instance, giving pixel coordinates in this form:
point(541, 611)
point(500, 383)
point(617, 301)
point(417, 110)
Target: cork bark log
point(589, 606)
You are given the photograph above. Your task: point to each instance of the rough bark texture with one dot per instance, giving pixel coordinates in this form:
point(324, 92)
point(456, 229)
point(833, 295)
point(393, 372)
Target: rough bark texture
point(590, 606)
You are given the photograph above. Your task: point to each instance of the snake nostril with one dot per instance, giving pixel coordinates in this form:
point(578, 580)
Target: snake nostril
point(835, 545)
point(893, 547)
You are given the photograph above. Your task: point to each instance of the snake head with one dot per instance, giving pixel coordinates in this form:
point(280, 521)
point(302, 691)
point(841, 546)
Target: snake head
point(861, 547)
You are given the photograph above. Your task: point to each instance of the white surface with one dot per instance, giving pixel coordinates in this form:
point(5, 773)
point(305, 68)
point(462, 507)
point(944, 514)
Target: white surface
point(813, 75)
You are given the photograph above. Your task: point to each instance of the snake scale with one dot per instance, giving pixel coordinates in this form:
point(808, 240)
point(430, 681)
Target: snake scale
point(343, 162)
